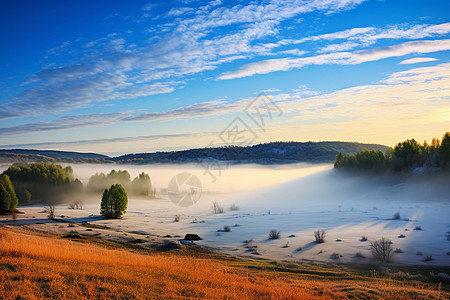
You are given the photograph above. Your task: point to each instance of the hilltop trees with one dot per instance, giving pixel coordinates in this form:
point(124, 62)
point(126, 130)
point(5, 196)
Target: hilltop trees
point(404, 156)
point(8, 198)
point(114, 202)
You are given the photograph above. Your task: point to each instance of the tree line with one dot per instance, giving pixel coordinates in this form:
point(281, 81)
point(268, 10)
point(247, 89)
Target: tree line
point(405, 155)
point(51, 184)
point(43, 181)
point(141, 185)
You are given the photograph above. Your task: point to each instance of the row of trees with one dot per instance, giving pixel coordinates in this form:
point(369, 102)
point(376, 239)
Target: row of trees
point(44, 181)
point(404, 156)
point(8, 197)
point(141, 185)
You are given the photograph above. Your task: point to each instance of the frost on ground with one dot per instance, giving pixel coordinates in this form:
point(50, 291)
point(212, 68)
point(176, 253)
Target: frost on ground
point(296, 201)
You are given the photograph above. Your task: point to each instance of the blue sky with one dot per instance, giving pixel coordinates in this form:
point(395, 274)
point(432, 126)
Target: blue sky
point(137, 76)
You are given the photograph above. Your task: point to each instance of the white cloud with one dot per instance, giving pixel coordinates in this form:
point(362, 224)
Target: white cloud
point(426, 46)
point(339, 47)
point(178, 11)
point(296, 52)
point(366, 36)
point(417, 60)
point(112, 68)
point(339, 58)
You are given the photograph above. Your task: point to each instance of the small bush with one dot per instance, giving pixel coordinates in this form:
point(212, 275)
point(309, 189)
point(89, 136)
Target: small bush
point(360, 255)
point(396, 216)
point(442, 277)
point(217, 208)
point(286, 245)
point(401, 236)
point(274, 234)
point(226, 228)
point(319, 236)
point(428, 258)
point(419, 253)
point(405, 276)
point(335, 256)
point(363, 238)
point(177, 218)
point(234, 207)
point(382, 249)
point(398, 250)
point(418, 228)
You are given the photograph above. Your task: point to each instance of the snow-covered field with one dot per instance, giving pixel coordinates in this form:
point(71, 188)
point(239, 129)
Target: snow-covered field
point(296, 200)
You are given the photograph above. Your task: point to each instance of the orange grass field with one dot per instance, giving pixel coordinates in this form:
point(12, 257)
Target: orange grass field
point(36, 266)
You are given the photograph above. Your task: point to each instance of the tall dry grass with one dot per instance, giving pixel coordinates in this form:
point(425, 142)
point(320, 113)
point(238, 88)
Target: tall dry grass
point(39, 267)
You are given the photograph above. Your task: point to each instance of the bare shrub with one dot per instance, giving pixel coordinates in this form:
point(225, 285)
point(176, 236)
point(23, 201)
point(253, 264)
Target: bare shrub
point(226, 228)
point(398, 250)
point(50, 211)
point(396, 216)
point(274, 234)
point(405, 276)
point(363, 238)
point(217, 208)
point(319, 236)
point(14, 215)
point(76, 204)
point(382, 249)
point(234, 207)
point(177, 218)
point(360, 255)
point(286, 245)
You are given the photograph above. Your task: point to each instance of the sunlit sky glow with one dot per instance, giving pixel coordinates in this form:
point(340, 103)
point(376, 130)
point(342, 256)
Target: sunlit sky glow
point(135, 76)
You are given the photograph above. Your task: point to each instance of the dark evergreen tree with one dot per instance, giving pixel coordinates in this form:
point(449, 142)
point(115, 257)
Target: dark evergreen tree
point(114, 202)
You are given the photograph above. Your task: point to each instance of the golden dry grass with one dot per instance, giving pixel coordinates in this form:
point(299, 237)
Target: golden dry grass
point(43, 267)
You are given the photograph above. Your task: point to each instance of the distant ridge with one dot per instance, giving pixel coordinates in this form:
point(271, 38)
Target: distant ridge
point(29, 156)
point(56, 153)
point(269, 153)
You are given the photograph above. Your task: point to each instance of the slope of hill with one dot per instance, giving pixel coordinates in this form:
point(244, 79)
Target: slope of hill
point(56, 154)
point(269, 153)
point(40, 266)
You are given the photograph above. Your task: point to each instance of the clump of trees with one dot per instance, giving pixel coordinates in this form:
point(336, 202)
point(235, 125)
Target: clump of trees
point(141, 185)
point(8, 197)
point(114, 202)
point(404, 156)
point(44, 181)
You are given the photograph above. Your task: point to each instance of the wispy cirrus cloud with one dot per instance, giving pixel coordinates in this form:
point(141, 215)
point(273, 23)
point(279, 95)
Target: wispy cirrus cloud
point(127, 139)
point(339, 58)
point(416, 60)
point(112, 67)
point(65, 123)
point(417, 95)
point(366, 36)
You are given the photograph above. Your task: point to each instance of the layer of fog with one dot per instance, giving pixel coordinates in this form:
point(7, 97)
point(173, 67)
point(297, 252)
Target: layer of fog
point(230, 178)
